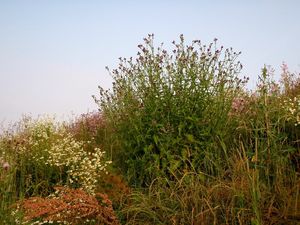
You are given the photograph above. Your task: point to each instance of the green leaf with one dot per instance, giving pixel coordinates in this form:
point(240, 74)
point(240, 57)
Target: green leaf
point(190, 138)
point(155, 138)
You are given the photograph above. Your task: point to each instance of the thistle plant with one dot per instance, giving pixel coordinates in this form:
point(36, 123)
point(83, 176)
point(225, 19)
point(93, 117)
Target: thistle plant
point(169, 111)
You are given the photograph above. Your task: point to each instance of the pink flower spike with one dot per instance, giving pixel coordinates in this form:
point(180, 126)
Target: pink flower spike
point(284, 68)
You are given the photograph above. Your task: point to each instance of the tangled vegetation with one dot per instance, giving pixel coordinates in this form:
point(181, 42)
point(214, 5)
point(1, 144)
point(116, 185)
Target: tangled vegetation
point(178, 140)
point(196, 145)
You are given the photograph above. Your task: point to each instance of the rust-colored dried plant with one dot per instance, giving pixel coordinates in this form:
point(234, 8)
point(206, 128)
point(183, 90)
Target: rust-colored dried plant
point(70, 206)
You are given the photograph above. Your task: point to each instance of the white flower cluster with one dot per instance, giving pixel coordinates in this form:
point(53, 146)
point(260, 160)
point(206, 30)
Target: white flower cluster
point(42, 129)
point(292, 108)
point(82, 167)
point(50, 144)
point(36, 135)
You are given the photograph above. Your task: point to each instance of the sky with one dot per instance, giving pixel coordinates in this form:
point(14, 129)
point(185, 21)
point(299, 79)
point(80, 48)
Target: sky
point(53, 53)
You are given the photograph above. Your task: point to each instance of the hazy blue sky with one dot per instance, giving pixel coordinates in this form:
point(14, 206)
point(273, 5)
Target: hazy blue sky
point(53, 53)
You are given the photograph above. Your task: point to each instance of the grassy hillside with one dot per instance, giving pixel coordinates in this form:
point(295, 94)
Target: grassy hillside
point(177, 140)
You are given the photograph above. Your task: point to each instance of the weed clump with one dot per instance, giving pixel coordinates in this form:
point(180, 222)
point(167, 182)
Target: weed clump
point(169, 111)
point(40, 154)
point(183, 122)
point(190, 145)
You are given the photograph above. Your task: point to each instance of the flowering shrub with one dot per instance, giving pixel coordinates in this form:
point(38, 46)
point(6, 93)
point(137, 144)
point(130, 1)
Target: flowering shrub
point(87, 125)
point(290, 82)
point(46, 152)
point(52, 145)
point(91, 128)
point(166, 108)
point(82, 167)
point(292, 109)
point(21, 146)
point(32, 138)
point(38, 154)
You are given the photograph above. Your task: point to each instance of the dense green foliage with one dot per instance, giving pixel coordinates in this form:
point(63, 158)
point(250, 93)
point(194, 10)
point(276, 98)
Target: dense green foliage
point(188, 113)
point(170, 111)
point(195, 146)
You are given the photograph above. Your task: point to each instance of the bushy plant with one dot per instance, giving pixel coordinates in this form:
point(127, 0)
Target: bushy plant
point(195, 145)
point(83, 168)
point(258, 185)
point(28, 142)
point(188, 111)
point(268, 135)
point(91, 128)
point(68, 206)
point(268, 127)
point(39, 154)
point(169, 111)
